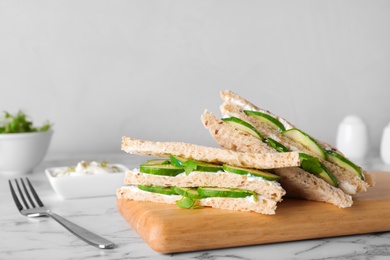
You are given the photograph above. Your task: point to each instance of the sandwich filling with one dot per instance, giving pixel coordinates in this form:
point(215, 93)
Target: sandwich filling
point(195, 184)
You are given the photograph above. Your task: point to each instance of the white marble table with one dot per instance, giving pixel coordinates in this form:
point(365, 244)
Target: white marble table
point(43, 238)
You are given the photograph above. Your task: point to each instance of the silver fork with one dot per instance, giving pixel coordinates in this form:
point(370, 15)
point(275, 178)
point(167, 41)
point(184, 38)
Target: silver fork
point(41, 211)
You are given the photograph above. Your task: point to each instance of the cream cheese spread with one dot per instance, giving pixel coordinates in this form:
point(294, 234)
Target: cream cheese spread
point(86, 168)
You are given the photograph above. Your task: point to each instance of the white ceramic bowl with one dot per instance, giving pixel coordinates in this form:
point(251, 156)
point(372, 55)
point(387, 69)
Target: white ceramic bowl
point(20, 153)
point(82, 186)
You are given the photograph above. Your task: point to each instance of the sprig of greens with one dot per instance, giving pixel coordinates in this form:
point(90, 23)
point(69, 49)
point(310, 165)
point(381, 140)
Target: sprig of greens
point(310, 164)
point(19, 123)
point(188, 203)
point(190, 166)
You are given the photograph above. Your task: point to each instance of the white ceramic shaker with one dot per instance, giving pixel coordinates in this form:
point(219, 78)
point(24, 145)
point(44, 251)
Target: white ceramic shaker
point(352, 137)
point(385, 145)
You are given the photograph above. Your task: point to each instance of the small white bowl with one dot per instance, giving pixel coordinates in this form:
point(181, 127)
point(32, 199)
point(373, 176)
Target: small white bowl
point(83, 186)
point(20, 153)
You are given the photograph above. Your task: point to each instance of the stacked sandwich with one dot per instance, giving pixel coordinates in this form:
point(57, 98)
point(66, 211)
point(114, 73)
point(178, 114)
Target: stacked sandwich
point(262, 158)
point(194, 176)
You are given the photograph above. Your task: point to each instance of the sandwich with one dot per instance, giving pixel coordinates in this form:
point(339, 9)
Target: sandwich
point(194, 176)
point(324, 174)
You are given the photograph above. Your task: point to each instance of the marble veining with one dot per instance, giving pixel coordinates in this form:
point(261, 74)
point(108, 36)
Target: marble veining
point(43, 238)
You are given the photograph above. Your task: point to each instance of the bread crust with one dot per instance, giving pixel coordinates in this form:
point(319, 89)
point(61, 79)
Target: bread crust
point(262, 205)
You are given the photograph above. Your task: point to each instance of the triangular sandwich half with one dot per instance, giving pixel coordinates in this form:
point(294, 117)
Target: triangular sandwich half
point(191, 176)
point(325, 174)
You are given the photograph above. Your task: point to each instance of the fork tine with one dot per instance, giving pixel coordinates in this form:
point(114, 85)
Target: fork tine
point(16, 200)
point(27, 193)
point(21, 195)
point(39, 202)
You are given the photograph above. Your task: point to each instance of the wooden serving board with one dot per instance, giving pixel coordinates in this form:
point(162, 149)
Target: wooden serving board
point(169, 229)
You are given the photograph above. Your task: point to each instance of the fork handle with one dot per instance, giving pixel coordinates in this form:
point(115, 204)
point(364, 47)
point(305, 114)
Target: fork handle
point(82, 233)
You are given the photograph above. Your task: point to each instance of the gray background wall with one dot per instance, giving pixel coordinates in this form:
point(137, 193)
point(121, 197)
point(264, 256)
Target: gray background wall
point(147, 69)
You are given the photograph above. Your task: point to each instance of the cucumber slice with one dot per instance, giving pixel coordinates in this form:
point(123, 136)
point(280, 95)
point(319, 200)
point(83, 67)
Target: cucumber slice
point(224, 192)
point(328, 176)
point(187, 192)
point(245, 171)
point(157, 161)
point(276, 145)
point(314, 166)
point(208, 167)
point(343, 162)
point(161, 169)
point(192, 165)
point(157, 189)
point(305, 139)
point(244, 126)
point(267, 119)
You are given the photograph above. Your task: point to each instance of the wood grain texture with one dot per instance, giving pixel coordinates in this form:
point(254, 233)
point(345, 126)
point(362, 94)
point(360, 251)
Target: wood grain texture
point(168, 229)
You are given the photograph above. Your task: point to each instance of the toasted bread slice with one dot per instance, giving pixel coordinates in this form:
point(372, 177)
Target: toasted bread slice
point(233, 98)
point(211, 154)
point(301, 184)
point(269, 189)
point(297, 182)
point(259, 205)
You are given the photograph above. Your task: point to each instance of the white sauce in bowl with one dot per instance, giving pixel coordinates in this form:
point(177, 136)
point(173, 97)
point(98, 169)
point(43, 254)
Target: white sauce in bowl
point(86, 168)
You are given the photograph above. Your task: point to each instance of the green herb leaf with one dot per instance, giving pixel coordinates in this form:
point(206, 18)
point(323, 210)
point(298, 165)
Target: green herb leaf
point(19, 124)
point(188, 203)
point(45, 127)
point(185, 203)
point(190, 166)
point(104, 163)
point(310, 164)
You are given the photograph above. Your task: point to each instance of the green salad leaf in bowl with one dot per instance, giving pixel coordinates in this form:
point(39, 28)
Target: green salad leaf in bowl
point(23, 145)
point(19, 123)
